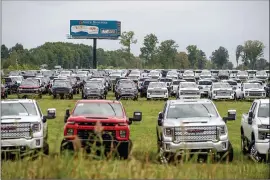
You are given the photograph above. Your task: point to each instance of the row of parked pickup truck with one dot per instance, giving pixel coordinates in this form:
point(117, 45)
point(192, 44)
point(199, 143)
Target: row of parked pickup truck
point(183, 126)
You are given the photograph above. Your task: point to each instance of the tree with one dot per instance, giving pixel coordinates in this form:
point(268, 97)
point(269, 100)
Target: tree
point(127, 38)
point(149, 49)
point(200, 60)
point(167, 53)
point(192, 55)
point(220, 57)
point(239, 53)
point(253, 51)
point(182, 60)
point(228, 65)
point(262, 64)
point(18, 48)
point(4, 52)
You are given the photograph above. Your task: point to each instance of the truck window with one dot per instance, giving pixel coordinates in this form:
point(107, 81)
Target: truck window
point(254, 108)
point(40, 112)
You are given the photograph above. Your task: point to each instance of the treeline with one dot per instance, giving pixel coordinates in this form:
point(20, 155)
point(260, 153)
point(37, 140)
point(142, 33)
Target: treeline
point(154, 54)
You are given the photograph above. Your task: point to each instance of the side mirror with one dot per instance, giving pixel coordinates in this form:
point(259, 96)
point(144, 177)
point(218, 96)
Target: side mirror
point(67, 115)
point(137, 116)
point(44, 119)
point(250, 116)
point(160, 118)
point(231, 116)
point(51, 113)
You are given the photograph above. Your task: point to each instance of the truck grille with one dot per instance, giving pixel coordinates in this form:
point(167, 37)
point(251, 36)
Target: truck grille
point(90, 135)
point(255, 93)
point(190, 92)
point(224, 93)
point(15, 130)
point(195, 133)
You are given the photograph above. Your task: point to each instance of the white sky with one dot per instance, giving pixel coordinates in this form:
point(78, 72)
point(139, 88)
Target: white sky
point(207, 24)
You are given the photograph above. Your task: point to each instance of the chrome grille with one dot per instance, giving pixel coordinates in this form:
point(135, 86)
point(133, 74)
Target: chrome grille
point(224, 93)
point(15, 130)
point(254, 93)
point(195, 133)
point(190, 92)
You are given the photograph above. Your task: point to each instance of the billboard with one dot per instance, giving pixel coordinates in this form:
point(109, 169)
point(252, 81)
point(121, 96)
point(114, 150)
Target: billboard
point(90, 29)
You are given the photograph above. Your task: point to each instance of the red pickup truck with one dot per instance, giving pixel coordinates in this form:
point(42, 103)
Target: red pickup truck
point(100, 122)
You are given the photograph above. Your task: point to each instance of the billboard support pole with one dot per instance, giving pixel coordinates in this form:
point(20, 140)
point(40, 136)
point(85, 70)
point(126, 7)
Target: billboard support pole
point(95, 53)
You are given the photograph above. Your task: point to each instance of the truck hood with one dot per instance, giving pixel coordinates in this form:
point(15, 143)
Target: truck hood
point(223, 89)
point(189, 89)
point(264, 120)
point(254, 89)
point(202, 121)
point(91, 118)
point(19, 119)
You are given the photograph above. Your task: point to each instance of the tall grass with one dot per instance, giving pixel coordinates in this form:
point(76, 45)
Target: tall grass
point(143, 161)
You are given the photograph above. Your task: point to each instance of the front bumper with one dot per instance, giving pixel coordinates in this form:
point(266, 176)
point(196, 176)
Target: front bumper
point(128, 95)
point(17, 145)
point(223, 97)
point(254, 97)
point(220, 146)
point(263, 148)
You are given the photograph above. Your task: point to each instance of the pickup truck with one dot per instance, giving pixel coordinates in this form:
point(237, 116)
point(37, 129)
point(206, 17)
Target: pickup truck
point(23, 127)
point(99, 123)
point(193, 126)
point(255, 130)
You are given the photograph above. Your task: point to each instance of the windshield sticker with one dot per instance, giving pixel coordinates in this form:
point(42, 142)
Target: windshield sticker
point(172, 106)
point(81, 104)
point(263, 105)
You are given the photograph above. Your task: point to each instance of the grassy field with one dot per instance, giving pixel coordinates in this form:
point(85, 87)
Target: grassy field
point(143, 162)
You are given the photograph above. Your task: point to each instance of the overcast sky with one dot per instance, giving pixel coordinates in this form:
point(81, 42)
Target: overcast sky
point(207, 24)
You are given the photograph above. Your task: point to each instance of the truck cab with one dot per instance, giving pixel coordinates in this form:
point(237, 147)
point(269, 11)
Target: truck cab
point(255, 130)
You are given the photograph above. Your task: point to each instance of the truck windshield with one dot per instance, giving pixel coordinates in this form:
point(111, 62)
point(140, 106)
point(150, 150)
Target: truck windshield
point(18, 109)
point(191, 110)
point(98, 109)
point(264, 110)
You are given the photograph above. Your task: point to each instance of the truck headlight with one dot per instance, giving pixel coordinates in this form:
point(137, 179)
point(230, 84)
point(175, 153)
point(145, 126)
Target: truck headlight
point(70, 131)
point(168, 131)
point(222, 130)
point(123, 133)
point(263, 135)
point(36, 127)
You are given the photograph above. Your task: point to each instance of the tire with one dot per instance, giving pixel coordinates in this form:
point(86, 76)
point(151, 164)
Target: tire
point(166, 99)
point(78, 91)
point(148, 99)
point(124, 149)
point(46, 149)
point(66, 148)
point(228, 155)
point(253, 152)
point(71, 96)
point(243, 147)
point(54, 96)
point(105, 96)
point(40, 96)
point(118, 98)
point(19, 97)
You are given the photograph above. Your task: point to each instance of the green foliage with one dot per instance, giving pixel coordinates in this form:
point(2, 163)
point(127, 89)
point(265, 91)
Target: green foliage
point(220, 57)
point(167, 52)
point(149, 49)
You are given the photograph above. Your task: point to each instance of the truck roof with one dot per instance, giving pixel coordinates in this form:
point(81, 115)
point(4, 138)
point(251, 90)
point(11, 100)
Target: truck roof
point(18, 100)
point(99, 101)
point(188, 101)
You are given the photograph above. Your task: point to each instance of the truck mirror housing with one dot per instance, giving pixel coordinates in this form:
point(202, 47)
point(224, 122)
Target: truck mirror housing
point(51, 113)
point(137, 116)
point(160, 118)
point(231, 116)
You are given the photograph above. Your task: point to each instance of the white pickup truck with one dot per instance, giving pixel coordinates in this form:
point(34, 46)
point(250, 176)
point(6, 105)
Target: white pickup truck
point(23, 127)
point(255, 130)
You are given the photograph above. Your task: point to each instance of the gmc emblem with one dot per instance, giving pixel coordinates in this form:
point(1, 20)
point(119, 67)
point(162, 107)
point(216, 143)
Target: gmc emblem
point(195, 130)
point(7, 128)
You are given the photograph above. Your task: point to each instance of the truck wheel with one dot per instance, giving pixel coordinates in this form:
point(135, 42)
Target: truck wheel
point(243, 144)
point(105, 96)
point(166, 99)
point(46, 148)
point(254, 154)
point(40, 96)
point(148, 99)
point(66, 148)
point(61, 96)
point(78, 91)
point(124, 149)
point(19, 96)
point(141, 95)
point(71, 96)
point(54, 96)
point(228, 155)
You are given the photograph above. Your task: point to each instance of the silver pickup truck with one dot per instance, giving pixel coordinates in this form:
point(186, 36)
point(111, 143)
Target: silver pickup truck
point(255, 131)
point(194, 127)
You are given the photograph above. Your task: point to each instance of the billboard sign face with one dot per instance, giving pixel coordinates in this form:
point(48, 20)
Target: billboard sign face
point(90, 29)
